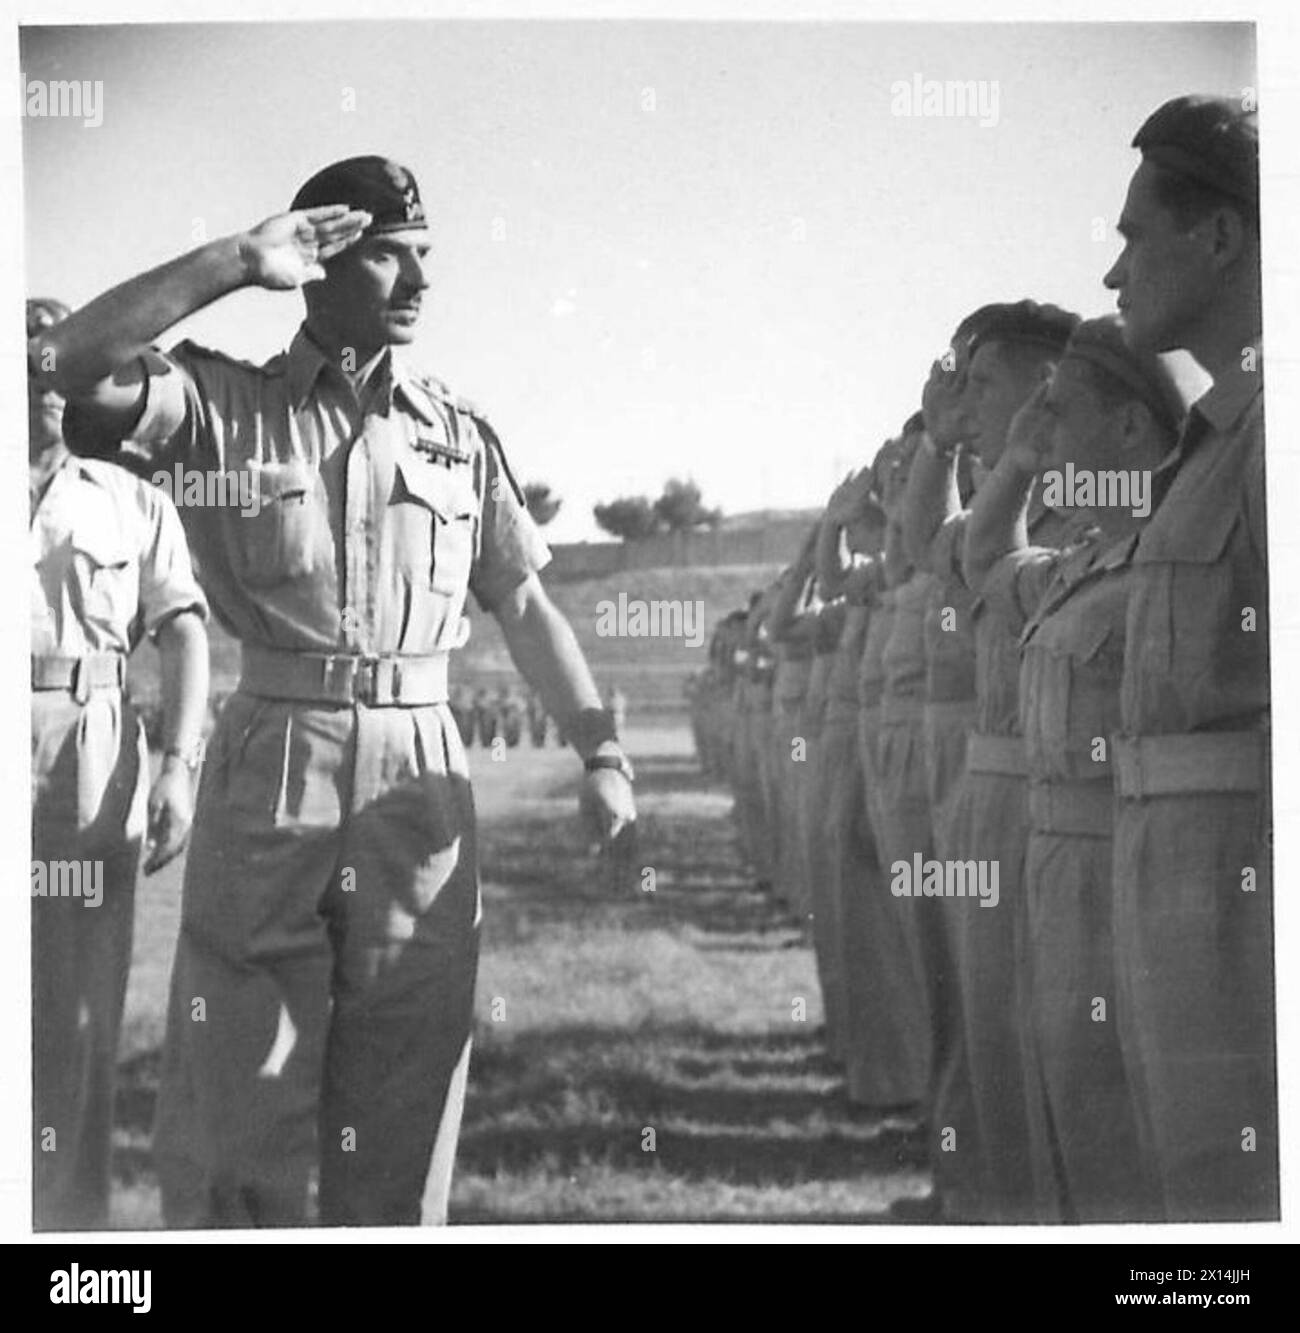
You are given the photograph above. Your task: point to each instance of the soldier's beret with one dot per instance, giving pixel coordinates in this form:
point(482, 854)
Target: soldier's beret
point(1025, 322)
point(380, 186)
point(44, 311)
point(973, 322)
point(1101, 343)
point(1213, 140)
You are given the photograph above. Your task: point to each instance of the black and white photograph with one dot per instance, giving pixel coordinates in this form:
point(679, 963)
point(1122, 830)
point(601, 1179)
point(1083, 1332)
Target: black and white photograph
point(653, 620)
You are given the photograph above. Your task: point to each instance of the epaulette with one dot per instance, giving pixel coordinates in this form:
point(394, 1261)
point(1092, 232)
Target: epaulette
point(439, 391)
point(193, 349)
point(471, 409)
point(490, 437)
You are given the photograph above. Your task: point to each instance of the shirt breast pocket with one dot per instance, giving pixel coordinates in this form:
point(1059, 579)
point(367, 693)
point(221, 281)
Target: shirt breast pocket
point(1187, 609)
point(443, 562)
point(106, 574)
point(287, 535)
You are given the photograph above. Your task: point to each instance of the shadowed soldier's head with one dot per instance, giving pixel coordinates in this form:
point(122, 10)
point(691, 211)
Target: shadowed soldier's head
point(1109, 406)
point(1012, 349)
point(373, 291)
point(44, 406)
point(864, 533)
point(1190, 224)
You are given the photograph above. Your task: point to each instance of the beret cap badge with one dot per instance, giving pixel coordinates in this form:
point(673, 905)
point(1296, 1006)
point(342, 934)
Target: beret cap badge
point(383, 188)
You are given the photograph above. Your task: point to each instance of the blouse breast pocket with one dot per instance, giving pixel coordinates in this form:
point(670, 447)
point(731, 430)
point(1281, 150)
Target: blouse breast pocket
point(286, 536)
point(438, 551)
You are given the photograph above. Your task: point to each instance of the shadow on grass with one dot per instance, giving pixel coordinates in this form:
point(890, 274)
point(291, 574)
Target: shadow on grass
point(700, 881)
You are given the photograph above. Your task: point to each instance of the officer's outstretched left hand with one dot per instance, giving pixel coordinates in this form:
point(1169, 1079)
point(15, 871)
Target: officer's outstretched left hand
point(609, 815)
point(171, 812)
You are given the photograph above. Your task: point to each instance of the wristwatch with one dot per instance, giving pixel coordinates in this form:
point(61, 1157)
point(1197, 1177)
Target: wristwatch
point(191, 756)
point(618, 762)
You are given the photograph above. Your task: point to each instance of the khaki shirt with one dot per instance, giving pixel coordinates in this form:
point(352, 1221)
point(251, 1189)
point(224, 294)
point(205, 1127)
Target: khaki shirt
point(997, 634)
point(904, 652)
point(109, 562)
point(949, 639)
point(793, 670)
point(1073, 603)
point(373, 519)
point(842, 685)
point(1201, 561)
point(871, 665)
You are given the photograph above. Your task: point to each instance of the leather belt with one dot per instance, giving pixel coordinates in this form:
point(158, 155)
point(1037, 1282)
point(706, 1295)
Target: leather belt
point(382, 680)
point(1084, 806)
point(91, 673)
point(1203, 761)
point(996, 754)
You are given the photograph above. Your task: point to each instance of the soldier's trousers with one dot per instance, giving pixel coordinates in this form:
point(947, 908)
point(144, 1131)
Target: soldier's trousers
point(985, 1088)
point(904, 831)
point(888, 987)
point(765, 748)
point(946, 726)
point(90, 779)
point(1087, 1163)
point(323, 988)
point(786, 775)
point(747, 789)
point(819, 781)
point(1194, 962)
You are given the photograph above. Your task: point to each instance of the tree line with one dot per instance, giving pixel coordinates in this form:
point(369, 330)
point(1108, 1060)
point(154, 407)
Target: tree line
point(680, 508)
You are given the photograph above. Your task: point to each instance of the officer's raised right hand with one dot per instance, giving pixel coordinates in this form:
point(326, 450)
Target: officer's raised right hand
point(290, 249)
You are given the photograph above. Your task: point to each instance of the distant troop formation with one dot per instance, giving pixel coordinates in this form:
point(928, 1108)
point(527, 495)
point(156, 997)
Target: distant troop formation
point(485, 716)
point(1001, 732)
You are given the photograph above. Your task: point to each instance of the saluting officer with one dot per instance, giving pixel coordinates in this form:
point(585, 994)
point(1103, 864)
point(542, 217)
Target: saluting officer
point(324, 980)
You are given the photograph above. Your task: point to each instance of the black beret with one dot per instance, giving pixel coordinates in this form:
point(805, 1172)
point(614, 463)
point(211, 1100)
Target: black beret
point(971, 325)
point(380, 186)
point(1213, 140)
point(1024, 322)
point(1101, 343)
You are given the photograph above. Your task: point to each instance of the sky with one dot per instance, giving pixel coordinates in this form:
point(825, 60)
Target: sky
point(660, 249)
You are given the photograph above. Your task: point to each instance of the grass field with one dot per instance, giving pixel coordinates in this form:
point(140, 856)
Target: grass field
point(668, 1011)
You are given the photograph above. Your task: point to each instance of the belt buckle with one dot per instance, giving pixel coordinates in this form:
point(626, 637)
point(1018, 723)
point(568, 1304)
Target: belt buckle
point(365, 680)
point(81, 681)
